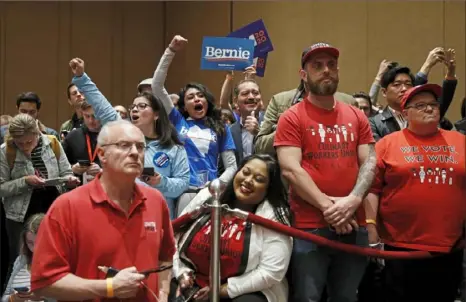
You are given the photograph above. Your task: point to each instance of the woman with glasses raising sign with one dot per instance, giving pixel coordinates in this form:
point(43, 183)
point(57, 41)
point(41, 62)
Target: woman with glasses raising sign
point(165, 161)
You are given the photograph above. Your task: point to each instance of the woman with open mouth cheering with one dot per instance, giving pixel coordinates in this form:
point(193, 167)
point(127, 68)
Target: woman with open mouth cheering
point(199, 125)
point(164, 154)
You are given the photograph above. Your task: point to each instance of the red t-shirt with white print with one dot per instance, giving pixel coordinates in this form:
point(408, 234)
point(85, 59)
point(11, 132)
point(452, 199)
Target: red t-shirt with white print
point(329, 141)
point(421, 182)
point(233, 233)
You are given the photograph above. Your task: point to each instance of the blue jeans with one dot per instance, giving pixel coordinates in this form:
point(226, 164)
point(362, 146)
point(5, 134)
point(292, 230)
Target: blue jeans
point(315, 267)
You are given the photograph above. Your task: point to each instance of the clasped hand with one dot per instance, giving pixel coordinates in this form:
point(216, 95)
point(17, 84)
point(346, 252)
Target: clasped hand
point(340, 214)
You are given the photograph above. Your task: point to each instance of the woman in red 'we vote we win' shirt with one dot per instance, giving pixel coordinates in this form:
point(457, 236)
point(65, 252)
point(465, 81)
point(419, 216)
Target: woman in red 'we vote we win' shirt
point(253, 259)
point(420, 195)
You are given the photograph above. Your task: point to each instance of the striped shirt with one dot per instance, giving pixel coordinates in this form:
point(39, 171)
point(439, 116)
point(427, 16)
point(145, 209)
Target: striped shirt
point(37, 162)
point(22, 279)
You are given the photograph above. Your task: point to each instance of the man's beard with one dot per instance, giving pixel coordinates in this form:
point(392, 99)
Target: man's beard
point(321, 88)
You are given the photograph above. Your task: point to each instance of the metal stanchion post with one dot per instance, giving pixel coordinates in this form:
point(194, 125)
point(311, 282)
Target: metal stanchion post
point(215, 189)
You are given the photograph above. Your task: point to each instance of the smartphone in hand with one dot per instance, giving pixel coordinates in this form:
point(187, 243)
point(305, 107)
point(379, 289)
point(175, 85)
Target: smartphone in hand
point(148, 171)
point(22, 290)
point(84, 163)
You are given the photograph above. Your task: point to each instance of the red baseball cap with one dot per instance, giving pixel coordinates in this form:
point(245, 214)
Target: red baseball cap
point(432, 88)
point(316, 48)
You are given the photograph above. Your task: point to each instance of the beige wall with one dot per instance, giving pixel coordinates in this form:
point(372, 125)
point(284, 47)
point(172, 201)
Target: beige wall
point(121, 43)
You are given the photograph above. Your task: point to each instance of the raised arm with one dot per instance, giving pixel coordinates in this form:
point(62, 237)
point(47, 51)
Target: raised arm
point(160, 74)
point(375, 87)
point(435, 56)
point(104, 111)
point(450, 82)
point(225, 93)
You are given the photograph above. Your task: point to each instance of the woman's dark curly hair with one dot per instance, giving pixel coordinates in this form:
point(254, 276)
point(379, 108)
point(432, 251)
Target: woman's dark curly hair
point(276, 193)
point(213, 117)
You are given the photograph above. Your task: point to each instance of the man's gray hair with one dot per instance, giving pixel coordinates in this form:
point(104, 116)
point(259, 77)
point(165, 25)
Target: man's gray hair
point(105, 132)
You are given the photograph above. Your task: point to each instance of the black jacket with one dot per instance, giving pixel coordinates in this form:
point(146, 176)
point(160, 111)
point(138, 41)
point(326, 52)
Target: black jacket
point(385, 123)
point(75, 145)
point(460, 126)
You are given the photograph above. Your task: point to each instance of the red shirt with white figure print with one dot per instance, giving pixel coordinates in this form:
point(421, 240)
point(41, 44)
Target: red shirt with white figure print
point(329, 141)
point(233, 233)
point(421, 182)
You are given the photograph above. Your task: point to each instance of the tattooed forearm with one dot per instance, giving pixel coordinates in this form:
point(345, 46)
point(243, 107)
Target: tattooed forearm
point(366, 174)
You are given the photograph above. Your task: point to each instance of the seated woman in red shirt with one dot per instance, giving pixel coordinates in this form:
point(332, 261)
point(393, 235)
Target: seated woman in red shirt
point(254, 260)
point(420, 198)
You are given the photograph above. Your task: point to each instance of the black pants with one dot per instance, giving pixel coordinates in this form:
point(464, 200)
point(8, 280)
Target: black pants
point(434, 279)
point(371, 284)
point(252, 297)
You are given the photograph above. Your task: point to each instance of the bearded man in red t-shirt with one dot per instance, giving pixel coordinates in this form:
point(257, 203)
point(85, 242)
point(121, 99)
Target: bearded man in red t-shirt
point(326, 151)
point(419, 198)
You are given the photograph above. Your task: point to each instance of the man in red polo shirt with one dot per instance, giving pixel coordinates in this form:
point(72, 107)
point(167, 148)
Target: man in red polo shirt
point(419, 197)
point(112, 221)
point(326, 151)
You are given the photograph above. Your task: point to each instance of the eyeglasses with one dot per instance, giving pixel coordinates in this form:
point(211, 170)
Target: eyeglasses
point(423, 106)
point(127, 146)
point(141, 106)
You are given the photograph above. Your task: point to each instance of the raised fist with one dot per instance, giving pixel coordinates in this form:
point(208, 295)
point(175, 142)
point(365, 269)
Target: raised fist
point(250, 73)
point(77, 66)
point(177, 43)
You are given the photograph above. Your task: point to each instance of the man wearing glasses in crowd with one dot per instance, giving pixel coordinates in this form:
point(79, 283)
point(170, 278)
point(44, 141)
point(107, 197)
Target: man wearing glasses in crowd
point(111, 221)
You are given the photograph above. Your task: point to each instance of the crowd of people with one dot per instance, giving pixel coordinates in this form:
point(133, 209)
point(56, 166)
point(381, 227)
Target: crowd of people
point(88, 209)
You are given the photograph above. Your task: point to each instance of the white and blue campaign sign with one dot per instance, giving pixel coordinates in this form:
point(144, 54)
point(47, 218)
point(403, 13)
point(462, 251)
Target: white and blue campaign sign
point(220, 53)
point(257, 32)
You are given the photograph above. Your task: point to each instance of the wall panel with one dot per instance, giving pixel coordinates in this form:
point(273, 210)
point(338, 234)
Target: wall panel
point(143, 44)
point(31, 55)
point(455, 37)
point(91, 40)
point(344, 25)
point(283, 63)
point(407, 42)
point(64, 110)
point(301, 25)
point(2, 56)
point(194, 20)
point(121, 43)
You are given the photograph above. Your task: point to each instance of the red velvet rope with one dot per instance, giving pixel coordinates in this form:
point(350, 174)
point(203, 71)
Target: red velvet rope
point(283, 229)
point(295, 233)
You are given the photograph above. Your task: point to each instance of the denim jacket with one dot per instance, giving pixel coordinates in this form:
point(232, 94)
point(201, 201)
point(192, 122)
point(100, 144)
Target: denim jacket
point(171, 163)
point(14, 190)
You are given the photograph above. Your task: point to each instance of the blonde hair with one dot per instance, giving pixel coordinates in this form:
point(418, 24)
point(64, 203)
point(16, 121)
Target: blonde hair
point(22, 124)
point(31, 225)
